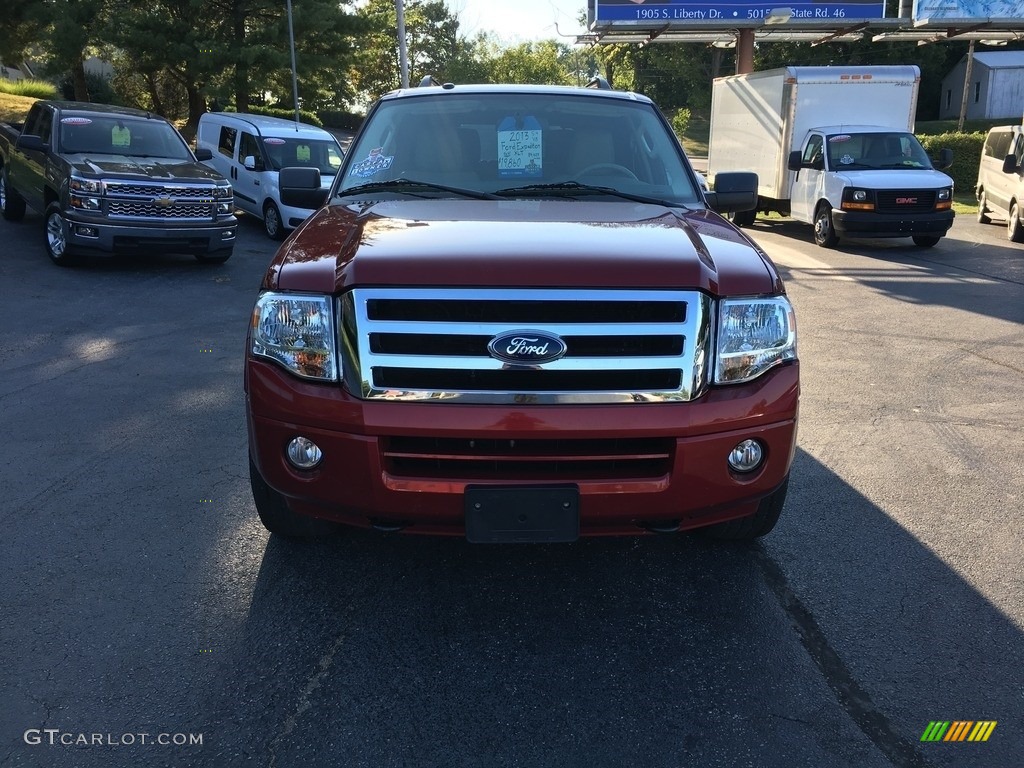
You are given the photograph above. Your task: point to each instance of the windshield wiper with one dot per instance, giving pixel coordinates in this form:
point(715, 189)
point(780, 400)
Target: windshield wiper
point(574, 188)
point(405, 186)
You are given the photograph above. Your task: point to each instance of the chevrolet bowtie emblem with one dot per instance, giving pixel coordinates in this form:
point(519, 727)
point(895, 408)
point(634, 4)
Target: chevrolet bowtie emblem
point(163, 202)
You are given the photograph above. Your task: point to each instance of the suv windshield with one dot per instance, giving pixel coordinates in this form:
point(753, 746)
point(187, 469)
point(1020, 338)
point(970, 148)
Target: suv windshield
point(520, 144)
point(857, 151)
point(113, 135)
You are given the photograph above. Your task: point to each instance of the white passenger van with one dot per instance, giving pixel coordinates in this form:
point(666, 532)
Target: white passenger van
point(250, 150)
point(1000, 187)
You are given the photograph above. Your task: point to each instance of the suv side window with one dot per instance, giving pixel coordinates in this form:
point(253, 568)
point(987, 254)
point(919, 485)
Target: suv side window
point(226, 145)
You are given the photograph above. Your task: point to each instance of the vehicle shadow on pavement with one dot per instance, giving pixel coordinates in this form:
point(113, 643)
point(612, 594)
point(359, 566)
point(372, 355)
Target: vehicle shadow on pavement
point(833, 642)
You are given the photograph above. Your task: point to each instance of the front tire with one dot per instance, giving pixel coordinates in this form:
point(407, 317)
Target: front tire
point(983, 217)
point(272, 223)
point(744, 218)
point(277, 517)
point(1014, 229)
point(824, 233)
point(925, 241)
point(11, 204)
point(758, 524)
point(57, 237)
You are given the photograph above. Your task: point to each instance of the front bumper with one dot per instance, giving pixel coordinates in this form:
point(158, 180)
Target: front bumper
point(85, 233)
point(854, 224)
point(358, 483)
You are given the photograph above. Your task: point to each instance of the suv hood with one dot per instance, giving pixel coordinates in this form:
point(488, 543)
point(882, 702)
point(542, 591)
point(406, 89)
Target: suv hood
point(153, 168)
point(520, 243)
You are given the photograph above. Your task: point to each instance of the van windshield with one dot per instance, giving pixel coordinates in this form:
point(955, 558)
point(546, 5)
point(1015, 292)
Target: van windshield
point(302, 153)
point(102, 135)
point(859, 151)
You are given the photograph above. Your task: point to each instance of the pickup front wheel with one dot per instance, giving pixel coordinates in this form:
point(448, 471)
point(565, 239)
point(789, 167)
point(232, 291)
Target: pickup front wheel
point(11, 204)
point(758, 524)
point(275, 515)
point(824, 232)
point(57, 237)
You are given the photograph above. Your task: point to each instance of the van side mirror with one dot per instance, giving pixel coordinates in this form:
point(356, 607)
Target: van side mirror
point(1010, 164)
point(300, 187)
point(944, 160)
point(734, 192)
point(204, 154)
point(795, 162)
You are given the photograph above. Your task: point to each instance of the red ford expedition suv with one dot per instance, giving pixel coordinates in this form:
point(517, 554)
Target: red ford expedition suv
point(517, 317)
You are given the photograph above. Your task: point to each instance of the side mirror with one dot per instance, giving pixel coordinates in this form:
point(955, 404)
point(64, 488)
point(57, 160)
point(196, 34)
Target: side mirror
point(734, 192)
point(31, 143)
point(204, 154)
point(300, 187)
point(795, 161)
point(249, 161)
point(1010, 164)
point(944, 160)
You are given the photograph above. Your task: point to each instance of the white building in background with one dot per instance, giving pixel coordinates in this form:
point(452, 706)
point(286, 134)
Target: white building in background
point(996, 89)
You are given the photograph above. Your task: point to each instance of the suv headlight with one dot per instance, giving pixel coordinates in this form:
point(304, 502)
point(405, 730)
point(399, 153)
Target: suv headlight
point(753, 335)
point(297, 332)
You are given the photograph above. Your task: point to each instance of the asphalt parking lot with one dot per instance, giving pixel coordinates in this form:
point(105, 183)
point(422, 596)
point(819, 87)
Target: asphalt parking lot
point(140, 594)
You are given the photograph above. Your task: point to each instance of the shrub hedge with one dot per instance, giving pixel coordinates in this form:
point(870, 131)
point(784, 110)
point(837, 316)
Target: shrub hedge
point(966, 156)
point(287, 114)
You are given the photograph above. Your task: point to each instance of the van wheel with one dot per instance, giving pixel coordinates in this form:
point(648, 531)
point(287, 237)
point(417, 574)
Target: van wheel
point(272, 223)
point(758, 524)
point(277, 518)
point(11, 204)
point(925, 241)
point(57, 237)
point(824, 232)
point(1014, 229)
point(983, 209)
point(744, 218)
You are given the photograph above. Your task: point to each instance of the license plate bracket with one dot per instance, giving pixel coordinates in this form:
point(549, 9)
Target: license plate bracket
point(522, 514)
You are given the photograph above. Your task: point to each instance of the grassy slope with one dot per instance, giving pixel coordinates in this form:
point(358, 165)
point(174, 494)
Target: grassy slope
point(14, 108)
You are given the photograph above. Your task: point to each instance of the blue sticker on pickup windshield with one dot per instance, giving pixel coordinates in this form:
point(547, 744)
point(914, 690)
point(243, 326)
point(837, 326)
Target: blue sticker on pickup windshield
point(374, 163)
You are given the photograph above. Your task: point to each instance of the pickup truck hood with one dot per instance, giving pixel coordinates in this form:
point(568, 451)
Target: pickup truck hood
point(151, 168)
point(896, 178)
point(520, 243)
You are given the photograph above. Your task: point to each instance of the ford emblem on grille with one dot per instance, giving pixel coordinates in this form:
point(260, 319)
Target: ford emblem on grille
point(526, 347)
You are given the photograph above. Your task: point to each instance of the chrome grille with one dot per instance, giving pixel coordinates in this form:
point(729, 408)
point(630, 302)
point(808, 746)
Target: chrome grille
point(904, 201)
point(157, 190)
point(176, 210)
point(431, 344)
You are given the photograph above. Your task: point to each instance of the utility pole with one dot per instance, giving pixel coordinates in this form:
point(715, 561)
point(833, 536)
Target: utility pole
point(967, 87)
point(295, 77)
point(403, 53)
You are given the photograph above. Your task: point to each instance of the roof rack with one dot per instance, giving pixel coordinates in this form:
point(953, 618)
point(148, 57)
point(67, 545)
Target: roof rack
point(428, 81)
point(600, 83)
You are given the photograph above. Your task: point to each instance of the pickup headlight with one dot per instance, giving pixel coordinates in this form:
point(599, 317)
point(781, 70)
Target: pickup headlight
point(297, 332)
point(92, 186)
point(222, 192)
point(753, 335)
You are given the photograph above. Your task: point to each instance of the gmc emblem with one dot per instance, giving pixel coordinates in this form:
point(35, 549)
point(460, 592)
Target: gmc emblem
point(906, 200)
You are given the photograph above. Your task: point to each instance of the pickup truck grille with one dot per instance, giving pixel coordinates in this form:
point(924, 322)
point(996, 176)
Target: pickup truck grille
point(432, 344)
point(904, 201)
point(142, 200)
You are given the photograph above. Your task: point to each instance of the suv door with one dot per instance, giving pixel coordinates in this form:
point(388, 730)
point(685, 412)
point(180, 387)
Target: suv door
point(247, 182)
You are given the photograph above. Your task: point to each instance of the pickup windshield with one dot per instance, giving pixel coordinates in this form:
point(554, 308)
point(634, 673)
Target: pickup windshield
point(116, 135)
point(865, 151)
point(522, 145)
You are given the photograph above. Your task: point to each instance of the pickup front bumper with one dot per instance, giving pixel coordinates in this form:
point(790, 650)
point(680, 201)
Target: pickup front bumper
point(85, 233)
point(855, 224)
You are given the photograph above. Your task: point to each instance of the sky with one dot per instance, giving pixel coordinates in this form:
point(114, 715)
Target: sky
point(515, 21)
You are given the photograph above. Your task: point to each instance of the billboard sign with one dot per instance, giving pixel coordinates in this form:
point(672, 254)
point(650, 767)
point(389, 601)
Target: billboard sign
point(681, 12)
point(966, 10)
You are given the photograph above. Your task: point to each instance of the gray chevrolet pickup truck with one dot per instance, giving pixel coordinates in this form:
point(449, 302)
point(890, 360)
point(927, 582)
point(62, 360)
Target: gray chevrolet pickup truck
point(113, 180)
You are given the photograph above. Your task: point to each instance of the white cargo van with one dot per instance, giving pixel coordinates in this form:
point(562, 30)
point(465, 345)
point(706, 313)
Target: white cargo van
point(250, 150)
point(1000, 186)
point(833, 147)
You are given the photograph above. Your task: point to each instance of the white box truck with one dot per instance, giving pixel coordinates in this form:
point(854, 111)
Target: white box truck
point(833, 147)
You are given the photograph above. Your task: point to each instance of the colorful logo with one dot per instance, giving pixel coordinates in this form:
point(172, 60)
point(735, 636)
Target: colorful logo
point(958, 730)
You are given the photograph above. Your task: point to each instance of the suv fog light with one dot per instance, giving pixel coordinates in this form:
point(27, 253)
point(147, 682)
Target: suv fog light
point(746, 456)
point(304, 453)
